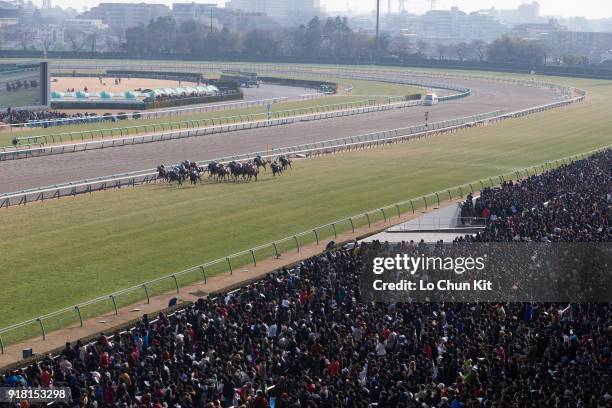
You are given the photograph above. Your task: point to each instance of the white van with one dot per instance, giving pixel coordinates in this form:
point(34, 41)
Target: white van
point(430, 99)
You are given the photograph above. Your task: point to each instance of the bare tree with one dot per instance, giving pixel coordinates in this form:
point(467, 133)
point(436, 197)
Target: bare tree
point(442, 51)
point(46, 43)
point(479, 48)
point(422, 47)
point(92, 40)
point(24, 39)
point(460, 50)
point(76, 39)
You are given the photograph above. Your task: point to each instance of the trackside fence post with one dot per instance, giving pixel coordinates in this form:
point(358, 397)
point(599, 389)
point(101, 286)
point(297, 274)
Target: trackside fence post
point(229, 264)
point(438, 199)
point(1, 346)
point(112, 297)
point(275, 249)
point(397, 207)
point(176, 283)
point(382, 210)
point(449, 195)
point(203, 273)
point(253, 256)
point(316, 235)
point(335, 232)
point(412, 206)
point(42, 328)
point(369, 223)
point(78, 310)
point(425, 200)
point(146, 293)
point(352, 225)
point(297, 243)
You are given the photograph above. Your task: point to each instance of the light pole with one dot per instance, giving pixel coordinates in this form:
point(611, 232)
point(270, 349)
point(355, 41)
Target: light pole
point(377, 27)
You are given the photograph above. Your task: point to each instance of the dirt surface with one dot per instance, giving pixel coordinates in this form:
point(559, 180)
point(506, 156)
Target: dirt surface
point(215, 284)
point(62, 84)
point(487, 96)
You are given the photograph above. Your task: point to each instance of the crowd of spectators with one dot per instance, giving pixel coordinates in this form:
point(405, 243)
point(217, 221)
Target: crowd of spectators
point(188, 95)
point(26, 115)
point(302, 338)
point(568, 204)
point(44, 118)
point(49, 118)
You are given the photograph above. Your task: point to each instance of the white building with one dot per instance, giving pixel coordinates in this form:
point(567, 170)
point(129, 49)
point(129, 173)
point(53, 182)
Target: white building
point(86, 25)
point(48, 34)
point(289, 11)
point(193, 11)
point(125, 15)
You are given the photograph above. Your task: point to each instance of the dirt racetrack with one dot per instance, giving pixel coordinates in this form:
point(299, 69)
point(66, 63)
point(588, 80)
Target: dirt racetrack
point(62, 84)
point(43, 171)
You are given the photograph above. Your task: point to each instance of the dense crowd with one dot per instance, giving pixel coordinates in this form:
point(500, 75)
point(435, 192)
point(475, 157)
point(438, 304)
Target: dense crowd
point(567, 204)
point(44, 118)
point(302, 337)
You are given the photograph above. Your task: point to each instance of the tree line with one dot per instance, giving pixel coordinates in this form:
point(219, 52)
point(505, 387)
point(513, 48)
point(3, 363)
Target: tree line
point(330, 39)
point(320, 39)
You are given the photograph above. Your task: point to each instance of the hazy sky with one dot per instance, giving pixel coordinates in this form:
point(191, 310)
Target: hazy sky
point(587, 8)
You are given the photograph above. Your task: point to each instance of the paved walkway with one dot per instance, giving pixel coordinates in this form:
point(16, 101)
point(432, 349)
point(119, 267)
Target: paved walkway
point(219, 283)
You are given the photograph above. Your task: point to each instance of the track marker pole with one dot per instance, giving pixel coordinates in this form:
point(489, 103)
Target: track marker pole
point(203, 273)
point(112, 297)
point(78, 310)
point(42, 328)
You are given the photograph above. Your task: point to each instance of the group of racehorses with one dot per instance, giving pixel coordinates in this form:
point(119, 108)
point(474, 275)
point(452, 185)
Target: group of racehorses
point(232, 171)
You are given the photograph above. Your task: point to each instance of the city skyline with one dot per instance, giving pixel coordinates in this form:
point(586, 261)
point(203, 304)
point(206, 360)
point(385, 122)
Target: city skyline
point(586, 8)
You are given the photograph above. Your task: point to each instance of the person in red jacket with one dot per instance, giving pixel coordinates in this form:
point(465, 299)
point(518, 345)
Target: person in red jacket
point(486, 213)
point(104, 360)
point(333, 367)
point(260, 400)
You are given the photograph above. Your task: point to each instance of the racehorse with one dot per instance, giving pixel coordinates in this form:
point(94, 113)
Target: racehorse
point(174, 175)
point(246, 170)
point(162, 173)
point(260, 162)
point(276, 169)
point(194, 176)
point(285, 162)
